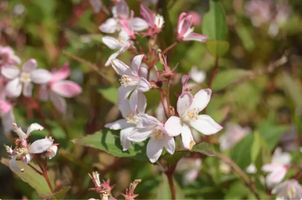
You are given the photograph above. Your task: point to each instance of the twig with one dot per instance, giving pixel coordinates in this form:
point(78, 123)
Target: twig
point(35, 169)
point(214, 73)
point(169, 173)
point(169, 47)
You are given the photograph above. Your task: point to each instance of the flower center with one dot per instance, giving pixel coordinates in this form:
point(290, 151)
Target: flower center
point(21, 152)
point(25, 77)
point(132, 118)
point(157, 133)
point(291, 193)
point(123, 41)
point(191, 115)
point(125, 80)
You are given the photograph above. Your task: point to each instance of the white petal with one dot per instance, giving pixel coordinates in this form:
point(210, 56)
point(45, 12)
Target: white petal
point(206, 125)
point(187, 138)
point(143, 85)
point(154, 149)
point(111, 25)
point(173, 126)
point(39, 146)
point(117, 125)
point(13, 165)
point(34, 127)
point(147, 121)
point(27, 89)
point(111, 42)
point(201, 99)
point(142, 103)
point(14, 88)
point(7, 120)
point(196, 75)
point(122, 9)
point(96, 5)
point(58, 102)
point(26, 159)
point(282, 158)
point(139, 24)
point(277, 175)
point(29, 65)
point(123, 92)
point(10, 72)
point(169, 144)
point(139, 135)
point(189, 176)
point(133, 101)
point(121, 68)
point(184, 102)
point(136, 63)
point(124, 107)
point(112, 57)
point(124, 137)
point(269, 167)
point(40, 76)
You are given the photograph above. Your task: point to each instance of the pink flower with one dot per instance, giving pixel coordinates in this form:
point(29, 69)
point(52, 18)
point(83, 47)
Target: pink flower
point(149, 126)
point(96, 5)
point(131, 81)
point(278, 167)
point(51, 152)
point(100, 187)
point(8, 57)
point(184, 30)
point(196, 19)
point(58, 88)
point(6, 109)
point(132, 25)
point(290, 189)
point(24, 78)
point(128, 124)
point(259, 11)
point(130, 192)
point(190, 168)
point(188, 108)
point(155, 22)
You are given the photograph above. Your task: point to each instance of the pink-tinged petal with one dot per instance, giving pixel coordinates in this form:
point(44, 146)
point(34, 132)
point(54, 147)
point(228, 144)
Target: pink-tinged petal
point(7, 120)
point(114, 55)
point(44, 92)
point(13, 165)
point(124, 107)
point(139, 135)
point(40, 76)
point(15, 60)
point(196, 19)
point(143, 71)
point(133, 101)
point(14, 88)
point(277, 175)
point(142, 103)
point(121, 68)
point(143, 85)
point(136, 63)
point(169, 144)
point(173, 126)
point(19, 131)
point(187, 138)
point(122, 10)
point(10, 72)
point(201, 99)
point(96, 5)
point(139, 24)
point(39, 146)
point(154, 149)
point(26, 159)
point(111, 25)
point(147, 14)
point(184, 102)
point(59, 102)
point(206, 125)
point(66, 88)
point(29, 65)
point(185, 24)
point(119, 124)
point(189, 176)
point(147, 121)
point(127, 27)
point(269, 167)
point(27, 89)
point(123, 92)
point(34, 127)
point(278, 188)
point(196, 37)
point(180, 21)
point(5, 107)
point(51, 152)
point(124, 137)
point(62, 73)
point(111, 42)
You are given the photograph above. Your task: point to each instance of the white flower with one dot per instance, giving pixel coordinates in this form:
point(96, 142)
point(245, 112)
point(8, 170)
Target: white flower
point(149, 126)
point(290, 189)
point(188, 108)
point(31, 128)
point(190, 168)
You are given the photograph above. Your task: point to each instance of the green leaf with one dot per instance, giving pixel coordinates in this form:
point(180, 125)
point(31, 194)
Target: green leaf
point(203, 148)
point(255, 147)
point(217, 48)
point(241, 152)
point(291, 88)
point(225, 78)
point(31, 177)
point(109, 141)
point(246, 37)
point(109, 93)
point(60, 194)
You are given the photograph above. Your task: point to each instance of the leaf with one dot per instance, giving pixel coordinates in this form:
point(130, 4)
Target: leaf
point(31, 177)
point(241, 152)
point(225, 78)
point(60, 194)
point(246, 37)
point(109, 93)
point(293, 91)
point(203, 148)
point(255, 147)
point(217, 48)
point(109, 141)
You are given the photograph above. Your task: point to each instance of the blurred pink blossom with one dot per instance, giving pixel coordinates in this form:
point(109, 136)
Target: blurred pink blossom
point(290, 189)
point(190, 168)
point(8, 57)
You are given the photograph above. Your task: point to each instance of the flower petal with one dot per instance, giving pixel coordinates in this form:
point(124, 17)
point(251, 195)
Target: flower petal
point(143, 85)
point(122, 10)
point(124, 107)
point(40, 76)
point(39, 146)
point(169, 144)
point(185, 24)
point(44, 92)
point(187, 138)
point(27, 89)
point(196, 37)
point(180, 21)
point(139, 135)
point(142, 103)
point(134, 101)
point(10, 72)
point(184, 102)
point(119, 124)
point(206, 125)
point(154, 149)
point(147, 121)
point(121, 68)
point(277, 175)
point(14, 87)
point(201, 99)
point(124, 137)
point(147, 14)
point(5, 107)
point(136, 63)
point(173, 126)
point(139, 24)
point(111, 25)
point(59, 102)
point(34, 127)
point(123, 92)
point(111, 42)
point(269, 167)
point(7, 120)
point(66, 88)
point(13, 165)
point(62, 73)
point(29, 65)
point(96, 5)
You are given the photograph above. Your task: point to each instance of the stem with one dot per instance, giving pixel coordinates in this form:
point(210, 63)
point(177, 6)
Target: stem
point(34, 156)
point(35, 169)
point(167, 97)
point(238, 170)
point(46, 176)
point(162, 102)
point(140, 47)
point(169, 47)
point(169, 173)
point(214, 73)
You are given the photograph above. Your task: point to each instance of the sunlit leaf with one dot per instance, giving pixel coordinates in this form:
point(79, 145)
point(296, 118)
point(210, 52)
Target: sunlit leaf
point(109, 93)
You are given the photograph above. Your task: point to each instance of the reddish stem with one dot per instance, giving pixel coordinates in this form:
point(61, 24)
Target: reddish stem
point(46, 176)
point(214, 73)
point(169, 47)
point(167, 97)
point(35, 169)
point(162, 102)
point(170, 173)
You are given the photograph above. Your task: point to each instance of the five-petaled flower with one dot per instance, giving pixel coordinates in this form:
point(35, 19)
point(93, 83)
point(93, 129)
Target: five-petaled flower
point(188, 108)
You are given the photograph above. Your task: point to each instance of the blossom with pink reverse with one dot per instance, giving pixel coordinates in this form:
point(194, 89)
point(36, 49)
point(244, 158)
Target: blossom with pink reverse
point(131, 80)
point(156, 22)
point(24, 79)
point(188, 108)
point(133, 24)
point(8, 57)
point(58, 88)
point(278, 167)
point(184, 30)
point(6, 109)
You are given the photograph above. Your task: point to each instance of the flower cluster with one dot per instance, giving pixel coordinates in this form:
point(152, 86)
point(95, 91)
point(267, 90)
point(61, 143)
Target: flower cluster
point(137, 126)
point(14, 82)
point(25, 151)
